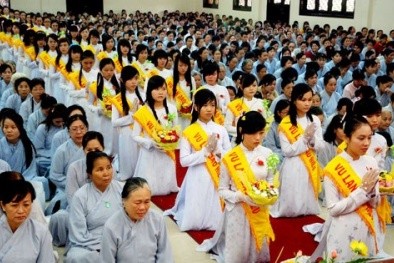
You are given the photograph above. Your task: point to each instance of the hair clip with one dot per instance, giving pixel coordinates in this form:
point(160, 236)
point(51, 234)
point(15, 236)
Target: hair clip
point(243, 118)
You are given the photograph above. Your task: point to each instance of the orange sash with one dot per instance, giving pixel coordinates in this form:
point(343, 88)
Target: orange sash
point(308, 158)
point(258, 217)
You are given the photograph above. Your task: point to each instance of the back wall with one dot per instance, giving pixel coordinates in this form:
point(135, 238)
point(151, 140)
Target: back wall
point(371, 13)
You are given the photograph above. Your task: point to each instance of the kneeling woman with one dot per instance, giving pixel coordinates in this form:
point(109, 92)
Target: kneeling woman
point(136, 231)
point(352, 194)
point(90, 208)
point(246, 229)
point(22, 238)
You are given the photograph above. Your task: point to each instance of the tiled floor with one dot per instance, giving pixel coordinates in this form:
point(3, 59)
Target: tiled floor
point(184, 247)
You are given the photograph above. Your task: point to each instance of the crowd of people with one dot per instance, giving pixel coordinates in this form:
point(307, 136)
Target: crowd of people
point(94, 108)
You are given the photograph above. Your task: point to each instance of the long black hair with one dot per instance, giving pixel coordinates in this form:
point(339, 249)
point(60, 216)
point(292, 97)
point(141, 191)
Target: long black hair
point(40, 35)
point(247, 80)
point(155, 82)
point(124, 43)
point(86, 54)
point(188, 75)
point(71, 50)
point(298, 92)
point(201, 97)
point(58, 111)
point(249, 123)
point(28, 146)
point(100, 79)
point(128, 73)
point(59, 54)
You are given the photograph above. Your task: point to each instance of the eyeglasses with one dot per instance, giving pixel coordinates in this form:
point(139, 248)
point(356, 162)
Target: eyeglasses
point(77, 129)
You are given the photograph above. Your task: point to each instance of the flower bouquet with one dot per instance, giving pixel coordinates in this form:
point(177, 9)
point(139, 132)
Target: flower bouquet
point(185, 109)
point(167, 139)
point(386, 182)
point(263, 193)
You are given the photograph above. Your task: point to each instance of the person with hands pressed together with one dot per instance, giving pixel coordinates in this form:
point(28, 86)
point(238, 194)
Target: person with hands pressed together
point(198, 205)
point(300, 135)
point(352, 194)
point(245, 231)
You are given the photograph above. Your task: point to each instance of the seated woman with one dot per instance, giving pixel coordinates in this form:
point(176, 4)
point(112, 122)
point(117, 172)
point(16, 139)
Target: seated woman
point(62, 136)
point(91, 207)
point(353, 200)
point(22, 238)
point(76, 178)
point(18, 151)
point(67, 153)
point(136, 231)
point(36, 209)
point(44, 136)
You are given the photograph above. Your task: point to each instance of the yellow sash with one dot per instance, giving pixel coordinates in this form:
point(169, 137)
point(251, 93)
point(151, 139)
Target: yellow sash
point(16, 42)
point(198, 138)
point(93, 90)
point(101, 55)
point(238, 107)
point(346, 181)
point(141, 72)
point(118, 65)
point(148, 122)
point(152, 72)
point(258, 217)
point(308, 158)
point(89, 47)
point(45, 58)
point(30, 52)
point(181, 97)
point(62, 69)
point(341, 147)
point(74, 78)
point(8, 39)
point(117, 102)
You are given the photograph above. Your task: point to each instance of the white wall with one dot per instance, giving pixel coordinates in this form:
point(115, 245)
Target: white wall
point(51, 6)
point(259, 9)
point(371, 13)
point(155, 6)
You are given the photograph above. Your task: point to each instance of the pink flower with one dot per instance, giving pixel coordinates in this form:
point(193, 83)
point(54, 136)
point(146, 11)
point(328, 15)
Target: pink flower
point(334, 254)
point(378, 150)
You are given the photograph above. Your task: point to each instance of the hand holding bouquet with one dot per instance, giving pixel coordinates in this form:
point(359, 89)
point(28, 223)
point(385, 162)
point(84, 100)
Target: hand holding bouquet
point(263, 193)
point(167, 139)
point(185, 109)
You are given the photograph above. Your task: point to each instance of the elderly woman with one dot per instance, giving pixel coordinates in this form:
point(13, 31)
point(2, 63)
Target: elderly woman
point(91, 207)
point(136, 231)
point(22, 238)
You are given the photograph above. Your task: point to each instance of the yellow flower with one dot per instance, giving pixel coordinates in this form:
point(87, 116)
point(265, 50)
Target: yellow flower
point(359, 248)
